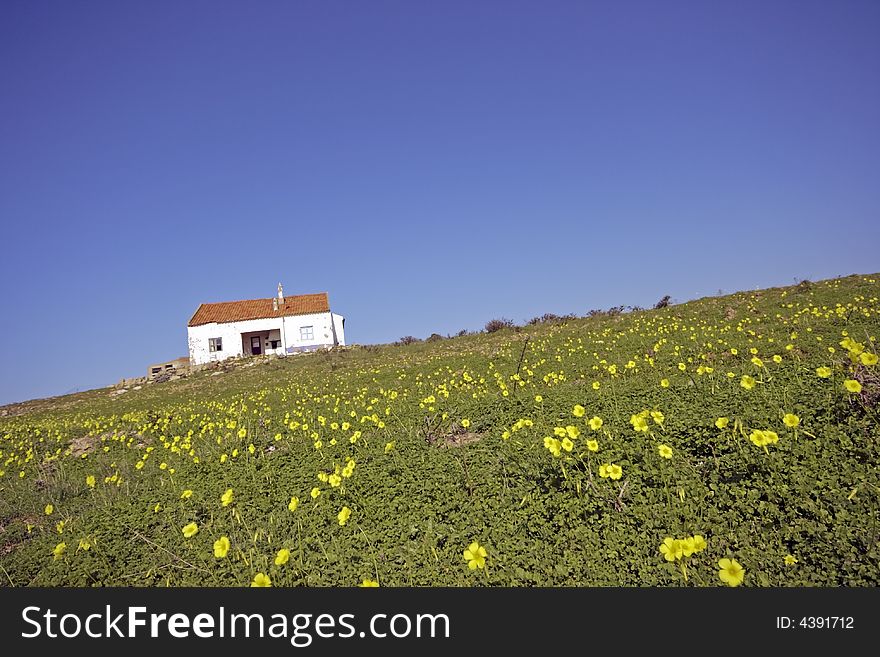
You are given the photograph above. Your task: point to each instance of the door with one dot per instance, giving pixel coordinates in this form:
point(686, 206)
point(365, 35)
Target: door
point(256, 345)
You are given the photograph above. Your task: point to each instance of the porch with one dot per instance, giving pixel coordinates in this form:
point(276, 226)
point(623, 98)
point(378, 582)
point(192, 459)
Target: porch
point(257, 343)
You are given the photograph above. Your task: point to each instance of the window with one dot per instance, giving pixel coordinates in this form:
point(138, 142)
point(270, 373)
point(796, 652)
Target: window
point(169, 367)
point(307, 333)
point(274, 344)
point(215, 344)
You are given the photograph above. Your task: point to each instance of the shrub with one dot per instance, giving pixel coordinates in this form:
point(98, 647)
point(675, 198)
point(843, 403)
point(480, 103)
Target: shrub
point(497, 324)
point(663, 303)
point(541, 319)
point(409, 339)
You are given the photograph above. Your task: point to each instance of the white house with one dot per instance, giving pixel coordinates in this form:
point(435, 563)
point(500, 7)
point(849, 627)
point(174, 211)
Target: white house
point(280, 325)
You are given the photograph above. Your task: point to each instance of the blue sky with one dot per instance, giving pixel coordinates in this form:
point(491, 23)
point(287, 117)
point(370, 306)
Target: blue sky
point(430, 165)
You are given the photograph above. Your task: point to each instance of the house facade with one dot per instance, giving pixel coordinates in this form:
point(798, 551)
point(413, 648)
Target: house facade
point(280, 325)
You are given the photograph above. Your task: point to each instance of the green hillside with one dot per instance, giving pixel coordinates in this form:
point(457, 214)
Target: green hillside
point(633, 449)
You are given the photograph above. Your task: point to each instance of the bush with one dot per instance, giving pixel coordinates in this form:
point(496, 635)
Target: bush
point(497, 324)
point(663, 303)
point(409, 339)
point(434, 337)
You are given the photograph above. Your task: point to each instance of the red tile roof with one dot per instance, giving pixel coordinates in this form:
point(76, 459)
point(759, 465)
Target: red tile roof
point(237, 311)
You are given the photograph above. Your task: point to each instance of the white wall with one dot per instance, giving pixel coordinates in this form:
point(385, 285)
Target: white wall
point(338, 321)
point(322, 332)
point(288, 328)
point(230, 333)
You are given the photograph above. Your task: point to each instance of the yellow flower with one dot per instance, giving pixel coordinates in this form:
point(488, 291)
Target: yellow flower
point(90, 481)
point(665, 451)
point(190, 530)
point(465, 423)
point(553, 445)
point(790, 560)
point(699, 543)
point(242, 432)
point(369, 583)
point(84, 544)
point(823, 372)
point(572, 431)
point(578, 410)
point(757, 362)
point(853, 386)
point(593, 445)
point(294, 502)
point(615, 471)
point(567, 445)
point(261, 580)
point(639, 423)
point(343, 515)
point(59, 550)
point(334, 480)
point(49, 509)
point(868, 358)
point(595, 423)
point(657, 416)
point(221, 547)
point(747, 382)
point(186, 494)
point(226, 498)
point(539, 399)
point(315, 492)
point(731, 572)
point(389, 446)
point(682, 367)
point(722, 422)
point(671, 549)
point(688, 546)
point(777, 358)
point(790, 420)
point(603, 470)
point(475, 555)
point(664, 383)
point(595, 385)
point(282, 557)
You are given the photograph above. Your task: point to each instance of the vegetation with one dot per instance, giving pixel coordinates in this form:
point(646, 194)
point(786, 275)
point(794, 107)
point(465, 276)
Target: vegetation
point(723, 442)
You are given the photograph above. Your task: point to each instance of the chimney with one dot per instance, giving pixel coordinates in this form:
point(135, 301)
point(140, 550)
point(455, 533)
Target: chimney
point(275, 305)
point(280, 294)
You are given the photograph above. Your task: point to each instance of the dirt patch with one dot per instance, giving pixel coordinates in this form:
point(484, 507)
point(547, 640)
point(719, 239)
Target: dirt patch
point(454, 439)
point(8, 544)
point(83, 445)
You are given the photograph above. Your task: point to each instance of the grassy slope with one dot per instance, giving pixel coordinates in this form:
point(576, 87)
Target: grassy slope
point(416, 506)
